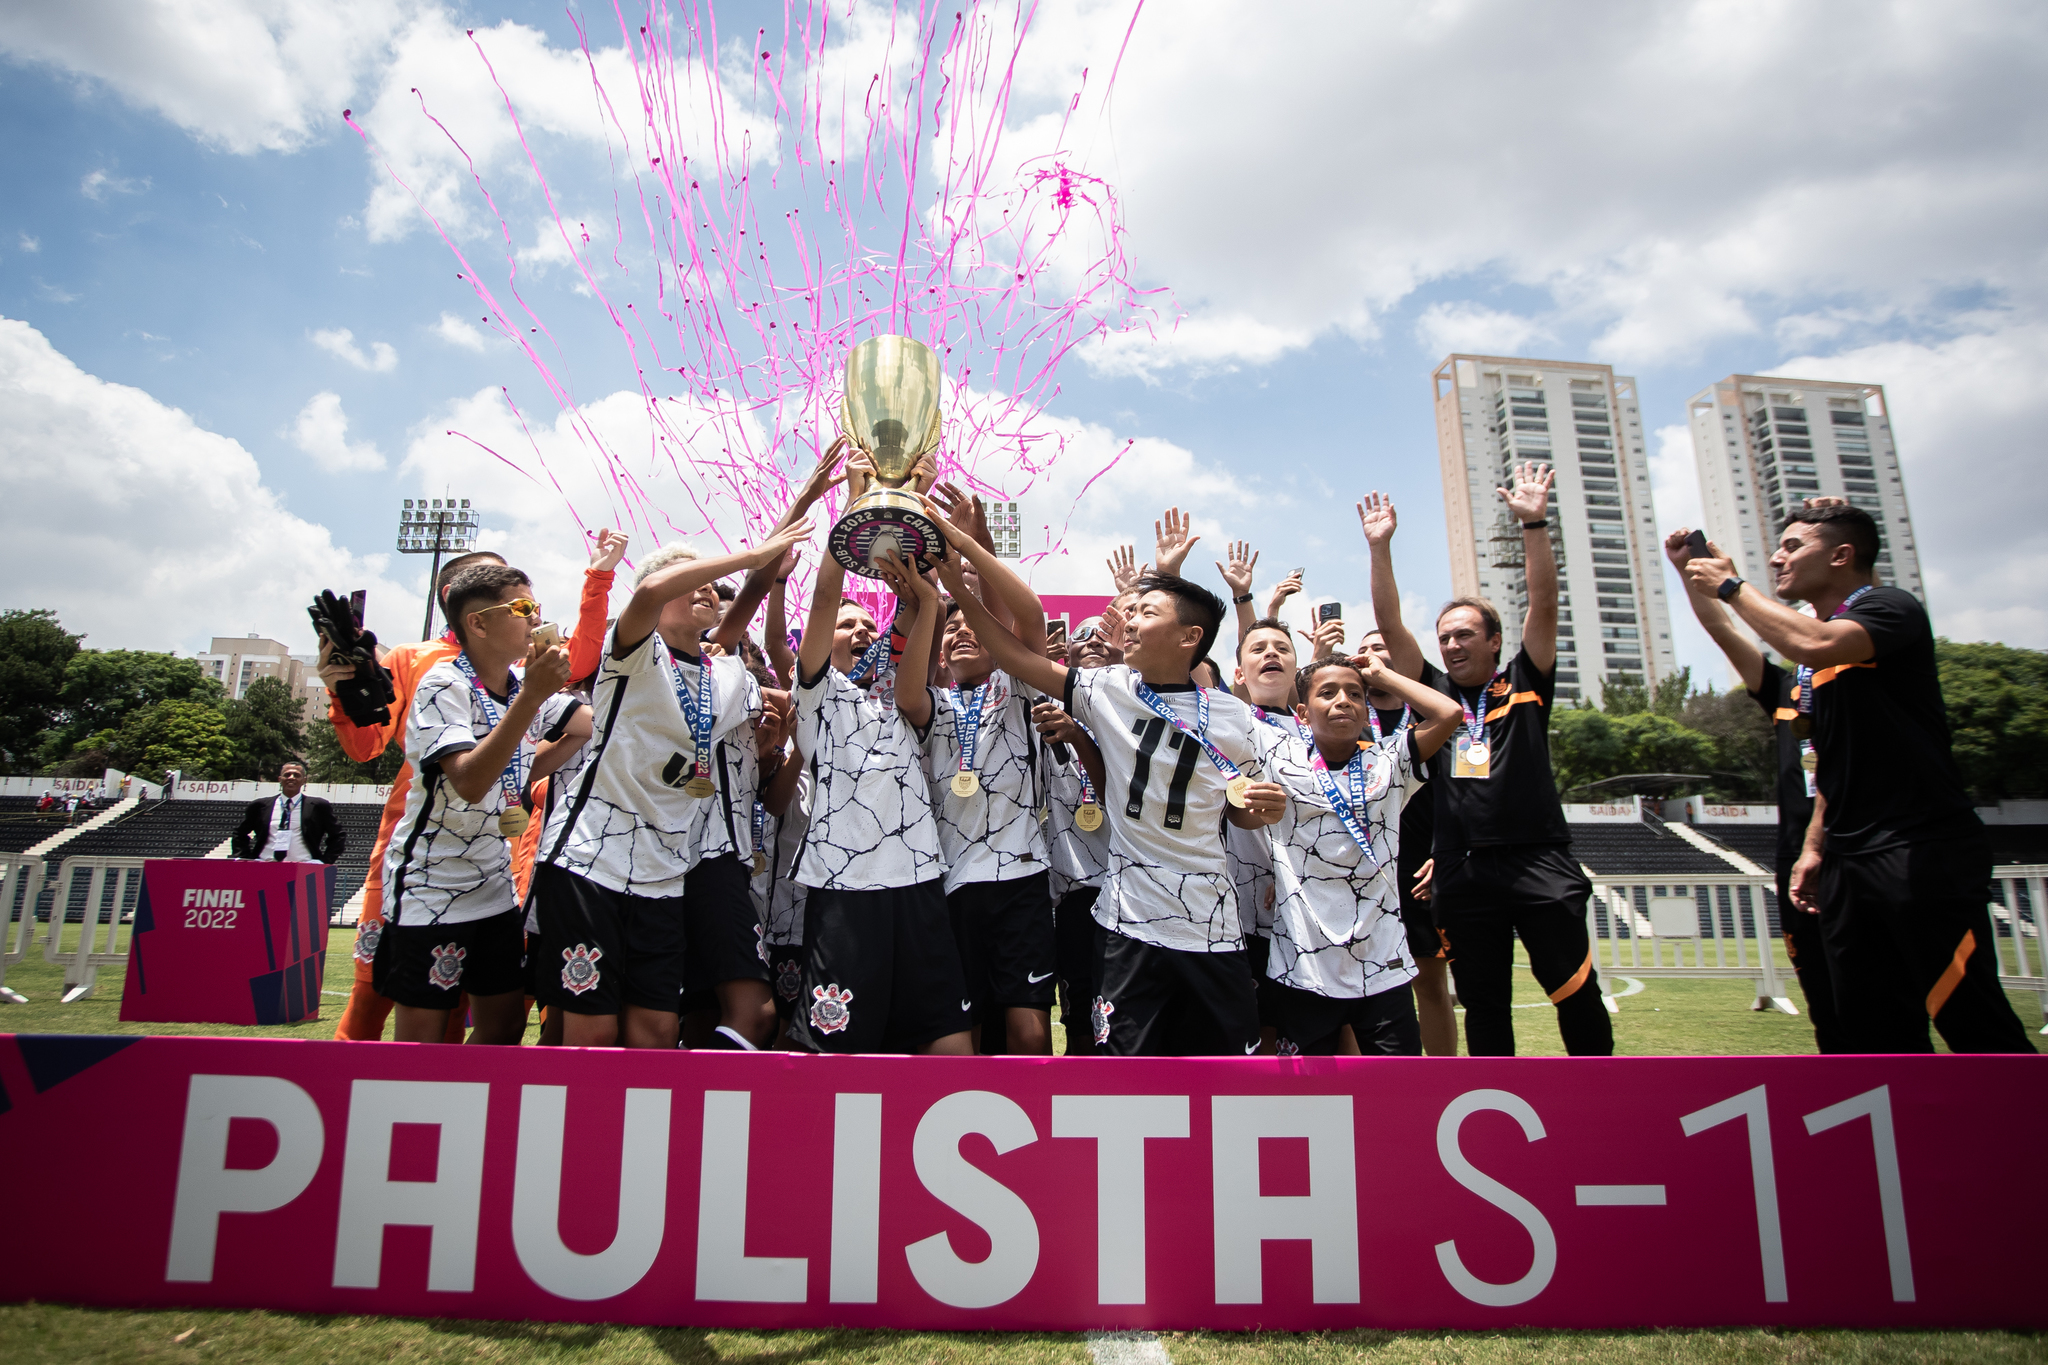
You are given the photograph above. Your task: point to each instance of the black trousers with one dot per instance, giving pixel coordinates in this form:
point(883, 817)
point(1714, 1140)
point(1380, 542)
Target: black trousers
point(1807, 947)
point(1488, 897)
point(1909, 940)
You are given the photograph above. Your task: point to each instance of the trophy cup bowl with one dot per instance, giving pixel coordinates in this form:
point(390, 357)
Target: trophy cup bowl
point(891, 411)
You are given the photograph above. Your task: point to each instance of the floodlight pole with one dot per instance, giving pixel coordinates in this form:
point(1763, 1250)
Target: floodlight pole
point(433, 577)
point(450, 528)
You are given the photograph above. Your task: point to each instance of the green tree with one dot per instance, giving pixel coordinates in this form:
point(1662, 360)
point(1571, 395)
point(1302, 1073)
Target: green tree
point(1745, 761)
point(266, 729)
point(191, 736)
point(104, 687)
point(34, 650)
point(328, 762)
point(1997, 700)
point(1621, 697)
point(1659, 744)
point(1669, 699)
point(1585, 746)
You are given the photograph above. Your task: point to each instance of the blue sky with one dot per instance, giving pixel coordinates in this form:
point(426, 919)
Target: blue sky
point(1334, 205)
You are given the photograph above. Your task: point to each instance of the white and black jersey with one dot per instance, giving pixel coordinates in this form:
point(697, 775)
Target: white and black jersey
point(1168, 882)
point(447, 862)
point(871, 825)
point(1249, 852)
point(628, 824)
point(993, 835)
point(1076, 857)
point(1337, 927)
point(778, 895)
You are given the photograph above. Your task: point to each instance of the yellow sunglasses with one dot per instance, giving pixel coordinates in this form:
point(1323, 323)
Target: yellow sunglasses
point(518, 606)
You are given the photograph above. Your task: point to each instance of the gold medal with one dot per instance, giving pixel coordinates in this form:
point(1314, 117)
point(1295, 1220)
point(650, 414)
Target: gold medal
point(1810, 761)
point(966, 783)
point(512, 823)
point(1235, 789)
point(760, 862)
point(699, 787)
point(1088, 817)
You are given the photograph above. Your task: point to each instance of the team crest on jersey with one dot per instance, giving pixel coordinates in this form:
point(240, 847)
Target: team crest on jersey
point(831, 1008)
point(1098, 1018)
point(579, 969)
point(368, 934)
point(1499, 688)
point(1287, 1047)
point(447, 969)
point(1379, 776)
point(789, 979)
point(761, 943)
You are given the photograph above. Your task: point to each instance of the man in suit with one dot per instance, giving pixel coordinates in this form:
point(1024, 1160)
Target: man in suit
point(290, 827)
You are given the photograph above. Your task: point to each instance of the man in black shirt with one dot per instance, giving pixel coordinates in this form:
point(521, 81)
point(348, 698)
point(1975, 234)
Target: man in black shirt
point(1895, 858)
point(1777, 692)
point(1503, 852)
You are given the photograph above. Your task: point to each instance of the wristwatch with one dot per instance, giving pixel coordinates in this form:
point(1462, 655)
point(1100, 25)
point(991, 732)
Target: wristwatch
point(1729, 587)
point(1240, 601)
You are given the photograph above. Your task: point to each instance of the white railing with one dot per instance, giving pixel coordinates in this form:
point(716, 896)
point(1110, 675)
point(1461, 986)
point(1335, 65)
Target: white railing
point(2016, 910)
point(1714, 927)
point(21, 881)
point(111, 883)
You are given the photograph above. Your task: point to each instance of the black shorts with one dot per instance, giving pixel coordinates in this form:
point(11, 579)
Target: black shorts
point(1073, 922)
point(1258, 951)
point(723, 937)
point(1143, 989)
point(786, 977)
point(601, 950)
point(881, 973)
point(1009, 953)
point(1420, 921)
point(1384, 1024)
point(431, 966)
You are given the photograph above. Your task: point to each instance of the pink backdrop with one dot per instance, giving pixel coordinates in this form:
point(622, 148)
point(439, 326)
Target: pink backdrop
point(1011, 1193)
point(224, 942)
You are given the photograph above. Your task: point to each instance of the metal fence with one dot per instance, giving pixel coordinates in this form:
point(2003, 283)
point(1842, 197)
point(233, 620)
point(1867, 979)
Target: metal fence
point(97, 894)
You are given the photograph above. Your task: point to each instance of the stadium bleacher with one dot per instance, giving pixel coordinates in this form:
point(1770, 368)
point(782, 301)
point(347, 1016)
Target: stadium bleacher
point(1758, 843)
point(1643, 850)
point(21, 827)
point(360, 823)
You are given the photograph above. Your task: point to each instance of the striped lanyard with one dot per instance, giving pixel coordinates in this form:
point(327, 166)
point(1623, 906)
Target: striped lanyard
point(1347, 806)
point(1199, 733)
point(1806, 672)
point(1289, 726)
point(696, 714)
point(1372, 717)
point(509, 779)
point(869, 664)
point(1475, 725)
point(967, 718)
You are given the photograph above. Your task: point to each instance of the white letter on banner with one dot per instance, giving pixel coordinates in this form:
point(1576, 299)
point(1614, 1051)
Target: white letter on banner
point(1119, 1124)
point(371, 1200)
point(207, 1189)
point(1326, 1217)
point(983, 1200)
point(724, 1270)
point(856, 1197)
point(1543, 1262)
point(537, 1196)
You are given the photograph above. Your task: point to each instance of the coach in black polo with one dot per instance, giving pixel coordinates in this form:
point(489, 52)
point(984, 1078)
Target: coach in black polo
point(1504, 865)
point(1895, 860)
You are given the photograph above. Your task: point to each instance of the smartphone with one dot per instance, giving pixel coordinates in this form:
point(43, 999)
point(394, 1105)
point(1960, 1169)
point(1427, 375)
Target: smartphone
point(1056, 628)
point(356, 600)
point(547, 635)
point(1696, 546)
point(1329, 611)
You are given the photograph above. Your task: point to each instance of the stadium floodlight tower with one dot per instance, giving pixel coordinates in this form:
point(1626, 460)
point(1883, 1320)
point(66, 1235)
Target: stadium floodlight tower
point(436, 526)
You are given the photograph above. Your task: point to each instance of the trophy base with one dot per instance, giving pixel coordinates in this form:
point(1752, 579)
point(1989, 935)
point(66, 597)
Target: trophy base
point(885, 518)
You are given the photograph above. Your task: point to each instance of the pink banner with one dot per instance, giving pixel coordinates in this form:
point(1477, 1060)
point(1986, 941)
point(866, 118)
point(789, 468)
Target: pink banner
point(224, 942)
point(1074, 609)
point(722, 1189)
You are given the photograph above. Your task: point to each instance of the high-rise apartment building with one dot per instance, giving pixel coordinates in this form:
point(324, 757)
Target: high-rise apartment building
point(1764, 445)
point(236, 661)
point(1492, 413)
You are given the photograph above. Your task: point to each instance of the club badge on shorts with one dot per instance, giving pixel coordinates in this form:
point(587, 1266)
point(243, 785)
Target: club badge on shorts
point(831, 1008)
point(761, 944)
point(789, 979)
point(447, 969)
point(368, 935)
point(1098, 1019)
point(579, 969)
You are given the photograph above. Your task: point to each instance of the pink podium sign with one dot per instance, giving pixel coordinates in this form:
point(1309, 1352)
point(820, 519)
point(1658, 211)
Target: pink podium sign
point(224, 942)
point(773, 1190)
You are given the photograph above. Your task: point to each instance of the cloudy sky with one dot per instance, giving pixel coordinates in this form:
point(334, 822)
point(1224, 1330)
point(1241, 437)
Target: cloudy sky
point(230, 342)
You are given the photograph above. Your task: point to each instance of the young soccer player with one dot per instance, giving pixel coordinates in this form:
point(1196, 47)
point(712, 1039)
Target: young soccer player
point(1265, 677)
point(450, 923)
point(881, 972)
point(1176, 758)
point(1077, 837)
point(646, 866)
point(1340, 947)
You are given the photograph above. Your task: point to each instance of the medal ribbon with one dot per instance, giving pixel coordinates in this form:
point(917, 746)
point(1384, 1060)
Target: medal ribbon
point(1806, 673)
point(1347, 807)
point(509, 779)
point(697, 715)
point(1372, 716)
point(1199, 734)
point(867, 665)
point(1300, 731)
point(1475, 726)
point(1087, 787)
point(760, 825)
point(967, 719)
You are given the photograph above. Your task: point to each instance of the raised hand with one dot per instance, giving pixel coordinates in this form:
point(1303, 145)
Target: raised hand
point(1327, 637)
point(333, 671)
point(825, 474)
point(789, 563)
point(1114, 624)
point(925, 474)
point(772, 550)
point(1674, 548)
point(1238, 571)
point(1376, 518)
point(860, 472)
point(957, 536)
point(1054, 723)
point(608, 547)
point(1289, 586)
point(964, 510)
point(1123, 567)
point(1175, 537)
point(1530, 494)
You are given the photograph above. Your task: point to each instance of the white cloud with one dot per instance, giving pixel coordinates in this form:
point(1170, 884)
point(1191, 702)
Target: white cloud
point(241, 75)
point(143, 529)
point(97, 185)
point(456, 332)
point(30, 244)
point(321, 431)
point(1477, 329)
point(340, 342)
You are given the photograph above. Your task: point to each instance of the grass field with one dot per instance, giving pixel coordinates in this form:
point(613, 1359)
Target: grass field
point(1664, 1018)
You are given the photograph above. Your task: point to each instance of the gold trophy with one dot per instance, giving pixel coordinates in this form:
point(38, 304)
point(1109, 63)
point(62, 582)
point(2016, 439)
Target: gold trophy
point(891, 411)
